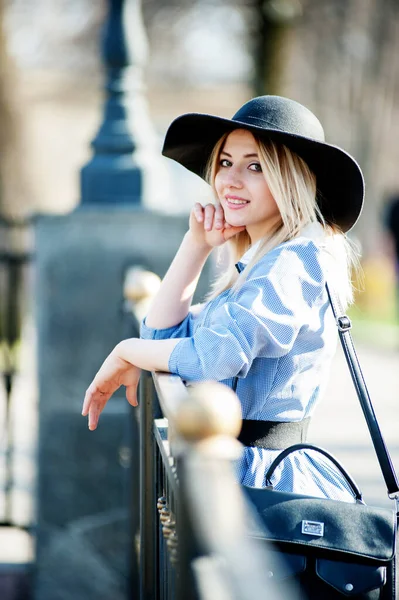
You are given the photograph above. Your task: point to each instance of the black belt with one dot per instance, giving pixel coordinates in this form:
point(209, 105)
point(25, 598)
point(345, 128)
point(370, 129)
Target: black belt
point(274, 435)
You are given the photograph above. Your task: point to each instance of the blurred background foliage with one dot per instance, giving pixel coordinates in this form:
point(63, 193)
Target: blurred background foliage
point(338, 57)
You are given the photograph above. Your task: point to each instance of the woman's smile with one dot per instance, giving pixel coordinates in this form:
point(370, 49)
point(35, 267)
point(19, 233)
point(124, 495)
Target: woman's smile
point(235, 202)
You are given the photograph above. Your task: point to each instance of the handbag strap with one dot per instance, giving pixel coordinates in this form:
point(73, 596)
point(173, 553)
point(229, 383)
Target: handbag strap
point(344, 325)
point(356, 492)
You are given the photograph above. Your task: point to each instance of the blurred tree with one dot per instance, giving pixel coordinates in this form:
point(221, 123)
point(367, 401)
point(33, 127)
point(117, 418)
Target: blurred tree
point(60, 34)
point(11, 177)
point(340, 58)
point(199, 42)
point(276, 19)
point(4, 108)
point(350, 59)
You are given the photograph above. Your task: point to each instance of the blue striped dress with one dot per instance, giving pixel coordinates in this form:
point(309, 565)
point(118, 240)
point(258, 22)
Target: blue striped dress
point(276, 334)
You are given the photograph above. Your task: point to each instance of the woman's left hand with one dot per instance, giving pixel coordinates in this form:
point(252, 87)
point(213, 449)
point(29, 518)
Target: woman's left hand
point(114, 372)
point(208, 226)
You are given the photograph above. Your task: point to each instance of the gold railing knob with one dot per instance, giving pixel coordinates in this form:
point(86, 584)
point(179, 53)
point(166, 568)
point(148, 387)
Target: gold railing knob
point(212, 409)
point(140, 284)
point(139, 288)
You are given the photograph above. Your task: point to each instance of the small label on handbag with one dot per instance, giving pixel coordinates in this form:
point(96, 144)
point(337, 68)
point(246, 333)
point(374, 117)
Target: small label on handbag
point(313, 528)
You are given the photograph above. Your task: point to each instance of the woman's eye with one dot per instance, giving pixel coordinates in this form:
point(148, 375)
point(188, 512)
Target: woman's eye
point(255, 167)
point(224, 162)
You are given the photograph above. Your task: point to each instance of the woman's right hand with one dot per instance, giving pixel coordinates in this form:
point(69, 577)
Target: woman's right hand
point(209, 227)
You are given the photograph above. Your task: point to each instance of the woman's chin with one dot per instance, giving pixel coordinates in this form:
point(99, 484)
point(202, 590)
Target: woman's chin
point(234, 222)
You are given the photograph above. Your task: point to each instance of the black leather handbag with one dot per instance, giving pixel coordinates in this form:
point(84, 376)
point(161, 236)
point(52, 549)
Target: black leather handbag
point(326, 549)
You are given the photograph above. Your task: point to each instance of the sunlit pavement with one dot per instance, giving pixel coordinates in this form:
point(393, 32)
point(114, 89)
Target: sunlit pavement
point(339, 424)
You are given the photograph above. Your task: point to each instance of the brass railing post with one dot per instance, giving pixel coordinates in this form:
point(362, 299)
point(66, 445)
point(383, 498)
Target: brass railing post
point(213, 533)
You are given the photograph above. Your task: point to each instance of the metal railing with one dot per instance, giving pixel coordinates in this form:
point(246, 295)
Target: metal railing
point(193, 514)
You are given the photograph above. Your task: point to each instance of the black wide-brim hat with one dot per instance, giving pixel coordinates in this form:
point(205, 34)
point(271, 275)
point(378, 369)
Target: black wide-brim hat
point(191, 138)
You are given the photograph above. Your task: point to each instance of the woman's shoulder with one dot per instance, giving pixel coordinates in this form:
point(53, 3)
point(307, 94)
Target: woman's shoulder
point(300, 256)
point(300, 245)
point(289, 275)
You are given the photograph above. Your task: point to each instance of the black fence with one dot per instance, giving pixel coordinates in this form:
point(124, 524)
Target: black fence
point(193, 543)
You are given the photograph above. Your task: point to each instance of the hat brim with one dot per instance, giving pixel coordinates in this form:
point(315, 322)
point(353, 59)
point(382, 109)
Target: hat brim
point(191, 138)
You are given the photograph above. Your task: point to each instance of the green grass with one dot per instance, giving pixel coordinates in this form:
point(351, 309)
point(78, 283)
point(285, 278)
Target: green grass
point(380, 330)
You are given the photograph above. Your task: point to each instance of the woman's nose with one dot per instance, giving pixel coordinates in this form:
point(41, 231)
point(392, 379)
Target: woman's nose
point(233, 177)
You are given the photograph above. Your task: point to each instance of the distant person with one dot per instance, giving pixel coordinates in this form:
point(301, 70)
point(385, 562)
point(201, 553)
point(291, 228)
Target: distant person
point(284, 199)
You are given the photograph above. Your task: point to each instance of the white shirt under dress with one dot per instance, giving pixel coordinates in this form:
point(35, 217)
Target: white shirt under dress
point(277, 334)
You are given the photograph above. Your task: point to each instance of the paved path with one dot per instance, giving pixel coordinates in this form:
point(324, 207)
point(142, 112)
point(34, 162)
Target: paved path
point(339, 424)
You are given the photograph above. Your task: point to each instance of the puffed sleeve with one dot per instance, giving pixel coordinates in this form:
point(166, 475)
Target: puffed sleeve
point(181, 330)
point(262, 319)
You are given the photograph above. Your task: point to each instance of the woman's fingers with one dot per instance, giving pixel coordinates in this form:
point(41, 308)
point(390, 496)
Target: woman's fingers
point(94, 404)
point(86, 403)
point(95, 399)
point(88, 399)
point(208, 225)
point(131, 395)
point(98, 394)
point(198, 212)
point(219, 217)
point(113, 373)
point(94, 415)
point(209, 216)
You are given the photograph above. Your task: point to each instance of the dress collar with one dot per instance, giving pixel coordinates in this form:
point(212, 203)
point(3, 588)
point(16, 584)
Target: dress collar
point(250, 253)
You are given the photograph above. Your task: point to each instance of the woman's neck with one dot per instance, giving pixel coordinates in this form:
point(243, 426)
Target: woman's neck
point(256, 232)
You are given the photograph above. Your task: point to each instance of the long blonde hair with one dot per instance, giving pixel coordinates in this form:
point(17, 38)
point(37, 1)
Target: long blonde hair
point(293, 187)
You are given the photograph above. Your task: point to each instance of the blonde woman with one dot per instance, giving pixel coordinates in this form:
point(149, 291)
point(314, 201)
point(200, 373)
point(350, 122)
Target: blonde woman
point(284, 200)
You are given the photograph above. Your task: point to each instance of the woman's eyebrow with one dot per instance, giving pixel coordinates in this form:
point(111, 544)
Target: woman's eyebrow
point(245, 155)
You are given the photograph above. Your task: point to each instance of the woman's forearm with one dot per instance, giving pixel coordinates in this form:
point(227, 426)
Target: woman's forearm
point(173, 300)
point(151, 355)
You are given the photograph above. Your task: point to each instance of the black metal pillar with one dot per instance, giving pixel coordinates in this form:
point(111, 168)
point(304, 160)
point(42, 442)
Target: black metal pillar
point(148, 517)
point(115, 173)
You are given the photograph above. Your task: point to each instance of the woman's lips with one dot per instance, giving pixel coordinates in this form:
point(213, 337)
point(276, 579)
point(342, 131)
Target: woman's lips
point(235, 202)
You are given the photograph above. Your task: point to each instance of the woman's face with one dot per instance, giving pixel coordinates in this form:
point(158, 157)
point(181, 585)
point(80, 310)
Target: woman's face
point(241, 186)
